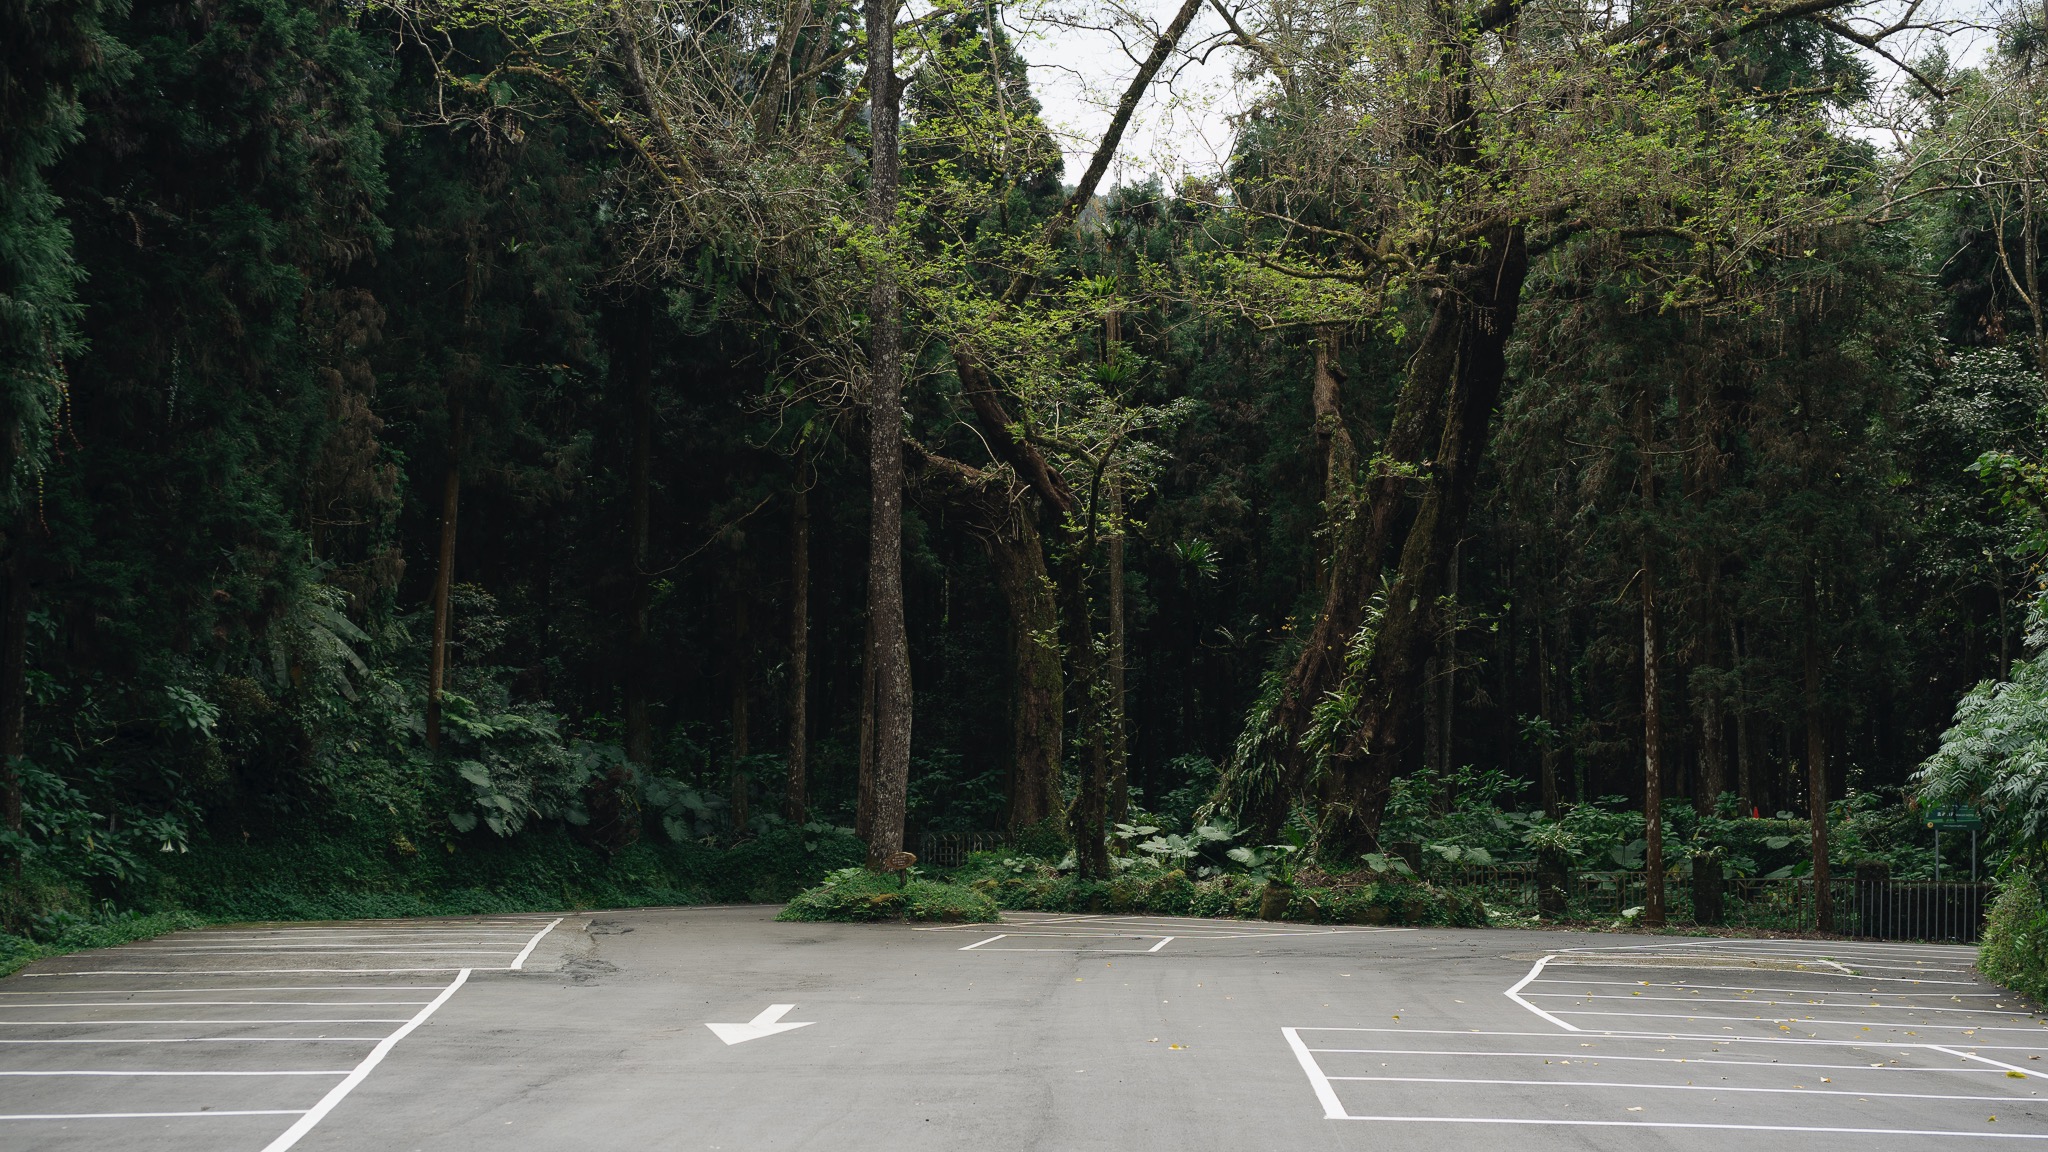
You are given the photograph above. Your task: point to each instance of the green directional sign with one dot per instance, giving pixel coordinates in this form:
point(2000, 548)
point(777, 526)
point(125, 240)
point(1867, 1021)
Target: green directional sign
point(1954, 818)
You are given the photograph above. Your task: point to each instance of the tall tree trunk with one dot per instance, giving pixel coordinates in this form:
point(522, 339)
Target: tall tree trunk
point(14, 603)
point(1547, 708)
point(444, 572)
point(1653, 754)
point(1745, 745)
point(1713, 722)
point(864, 749)
point(1816, 758)
point(1465, 357)
point(1653, 711)
point(889, 646)
point(1118, 734)
point(636, 348)
point(1361, 519)
point(1038, 690)
point(741, 672)
point(796, 793)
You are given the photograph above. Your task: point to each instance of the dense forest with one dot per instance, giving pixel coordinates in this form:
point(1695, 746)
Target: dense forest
point(559, 452)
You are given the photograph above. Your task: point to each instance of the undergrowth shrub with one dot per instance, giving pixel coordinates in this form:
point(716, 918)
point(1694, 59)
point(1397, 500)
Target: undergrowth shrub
point(2014, 950)
point(856, 894)
point(1029, 885)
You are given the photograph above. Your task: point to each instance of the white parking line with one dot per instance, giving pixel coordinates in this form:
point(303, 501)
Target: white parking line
point(1843, 975)
point(1581, 997)
point(1689, 1088)
point(990, 940)
point(1607, 1034)
point(196, 1072)
point(1935, 1026)
point(150, 1115)
point(1606, 1056)
point(423, 950)
point(335, 1095)
point(520, 961)
point(229, 972)
point(1559, 1123)
point(1515, 994)
point(128, 1023)
point(206, 1039)
point(219, 1004)
point(184, 991)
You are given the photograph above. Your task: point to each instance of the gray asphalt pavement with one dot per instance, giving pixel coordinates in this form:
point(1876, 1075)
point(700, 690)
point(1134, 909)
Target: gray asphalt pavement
point(1046, 1032)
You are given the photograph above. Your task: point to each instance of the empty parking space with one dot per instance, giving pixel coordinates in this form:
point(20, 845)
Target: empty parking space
point(1892, 1044)
point(226, 1039)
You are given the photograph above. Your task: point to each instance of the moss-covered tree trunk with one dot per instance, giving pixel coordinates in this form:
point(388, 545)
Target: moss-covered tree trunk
point(888, 652)
point(1463, 357)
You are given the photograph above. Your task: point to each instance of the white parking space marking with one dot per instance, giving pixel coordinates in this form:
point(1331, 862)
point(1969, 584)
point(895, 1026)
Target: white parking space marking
point(314, 1072)
point(149, 1115)
point(160, 1041)
point(319, 1111)
point(520, 961)
point(1683, 1071)
point(1161, 929)
point(1163, 941)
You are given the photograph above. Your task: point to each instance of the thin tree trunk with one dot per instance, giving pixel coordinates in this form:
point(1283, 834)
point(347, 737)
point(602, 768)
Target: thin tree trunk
point(636, 346)
point(1745, 761)
point(796, 794)
point(1118, 736)
point(1713, 730)
point(741, 722)
point(13, 691)
point(889, 648)
point(1653, 715)
point(1816, 761)
point(1547, 708)
point(444, 573)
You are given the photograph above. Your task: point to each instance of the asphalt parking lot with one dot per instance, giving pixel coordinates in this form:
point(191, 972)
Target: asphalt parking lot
point(717, 1028)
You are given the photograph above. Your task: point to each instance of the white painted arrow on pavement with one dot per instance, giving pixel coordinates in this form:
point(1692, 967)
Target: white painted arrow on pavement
point(762, 1025)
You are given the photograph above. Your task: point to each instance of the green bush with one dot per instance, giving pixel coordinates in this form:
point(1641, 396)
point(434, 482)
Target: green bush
point(858, 895)
point(1030, 885)
point(2014, 951)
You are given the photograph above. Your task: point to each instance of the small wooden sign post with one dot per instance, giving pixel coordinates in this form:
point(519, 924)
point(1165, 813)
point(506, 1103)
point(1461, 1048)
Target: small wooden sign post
point(900, 863)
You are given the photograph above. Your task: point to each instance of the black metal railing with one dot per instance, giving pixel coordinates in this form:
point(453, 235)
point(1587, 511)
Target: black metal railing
point(1871, 907)
point(950, 849)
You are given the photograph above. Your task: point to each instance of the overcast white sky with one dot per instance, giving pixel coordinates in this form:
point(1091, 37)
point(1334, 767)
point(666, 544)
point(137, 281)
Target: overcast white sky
point(1080, 63)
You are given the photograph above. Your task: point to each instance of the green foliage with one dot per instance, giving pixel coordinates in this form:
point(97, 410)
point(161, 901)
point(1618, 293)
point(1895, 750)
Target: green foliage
point(1173, 892)
point(2014, 949)
point(1996, 753)
point(858, 895)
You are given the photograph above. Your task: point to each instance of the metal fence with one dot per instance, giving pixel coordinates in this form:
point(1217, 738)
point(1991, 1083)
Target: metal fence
point(950, 849)
point(1871, 909)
